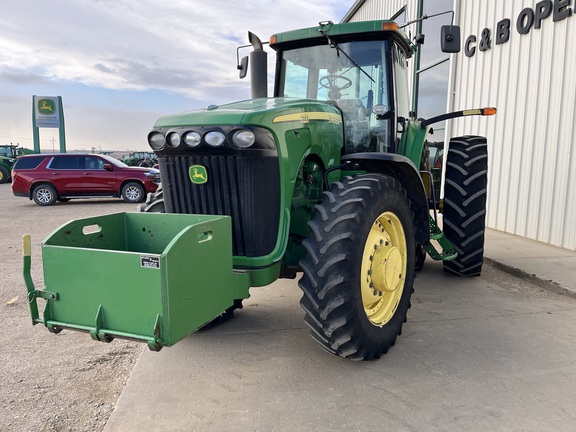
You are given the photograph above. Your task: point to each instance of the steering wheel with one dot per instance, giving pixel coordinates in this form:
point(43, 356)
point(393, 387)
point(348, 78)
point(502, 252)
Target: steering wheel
point(330, 82)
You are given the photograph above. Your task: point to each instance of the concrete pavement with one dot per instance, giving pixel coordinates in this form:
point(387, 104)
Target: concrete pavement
point(477, 354)
point(548, 266)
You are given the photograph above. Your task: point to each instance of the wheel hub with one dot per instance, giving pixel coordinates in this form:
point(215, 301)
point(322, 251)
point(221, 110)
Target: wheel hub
point(386, 268)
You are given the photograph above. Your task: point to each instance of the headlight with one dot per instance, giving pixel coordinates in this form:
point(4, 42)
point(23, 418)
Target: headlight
point(214, 138)
point(156, 141)
point(243, 138)
point(192, 139)
point(174, 139)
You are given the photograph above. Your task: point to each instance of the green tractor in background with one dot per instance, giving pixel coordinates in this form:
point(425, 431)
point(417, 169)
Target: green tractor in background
point(329, 177)
point(8, 155)
point(136, 158)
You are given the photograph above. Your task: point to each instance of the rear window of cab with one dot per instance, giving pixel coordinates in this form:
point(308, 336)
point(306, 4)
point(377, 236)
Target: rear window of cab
point(28, 162)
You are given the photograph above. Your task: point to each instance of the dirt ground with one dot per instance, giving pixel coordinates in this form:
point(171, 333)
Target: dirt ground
point(64, 382)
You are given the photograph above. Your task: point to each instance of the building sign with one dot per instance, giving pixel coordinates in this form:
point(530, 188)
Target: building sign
point(527, 19)
point(47, 111)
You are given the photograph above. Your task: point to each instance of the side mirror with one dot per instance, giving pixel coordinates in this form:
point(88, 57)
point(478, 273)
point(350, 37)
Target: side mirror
point(107, 167)
point(243, 67)
point(450, 39)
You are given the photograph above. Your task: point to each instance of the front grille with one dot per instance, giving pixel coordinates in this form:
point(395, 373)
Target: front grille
point(245, 188)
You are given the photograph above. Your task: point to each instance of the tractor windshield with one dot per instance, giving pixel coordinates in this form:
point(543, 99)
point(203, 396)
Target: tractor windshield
point(354, 76)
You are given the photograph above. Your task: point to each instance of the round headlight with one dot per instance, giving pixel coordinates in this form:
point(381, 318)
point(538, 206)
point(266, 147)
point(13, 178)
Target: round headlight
point(214, 138)
point(192, 139)
point(243, 138)
point(156, 141)
point(174, 139)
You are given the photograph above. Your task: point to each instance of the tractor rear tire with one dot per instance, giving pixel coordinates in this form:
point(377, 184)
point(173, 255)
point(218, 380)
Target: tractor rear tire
point(465, 203)
point(359, 267)
point(4, 175)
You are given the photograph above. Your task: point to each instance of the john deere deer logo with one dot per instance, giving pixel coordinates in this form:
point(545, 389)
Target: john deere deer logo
point(198, 174)
point(46, 107)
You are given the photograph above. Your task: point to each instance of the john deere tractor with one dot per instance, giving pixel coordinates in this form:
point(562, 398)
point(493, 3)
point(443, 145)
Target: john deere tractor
point(8, 155)
point(329, 177)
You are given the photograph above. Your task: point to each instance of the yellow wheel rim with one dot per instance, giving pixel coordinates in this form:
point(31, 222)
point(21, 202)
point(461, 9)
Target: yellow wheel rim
point(383, 268)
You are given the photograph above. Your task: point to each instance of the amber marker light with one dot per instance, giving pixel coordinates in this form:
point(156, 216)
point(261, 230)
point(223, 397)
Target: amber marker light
point(489, 111)
point(389, 26)
point(273, 39)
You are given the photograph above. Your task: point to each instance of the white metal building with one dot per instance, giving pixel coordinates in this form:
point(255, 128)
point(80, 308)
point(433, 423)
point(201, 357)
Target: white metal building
point(519, 56)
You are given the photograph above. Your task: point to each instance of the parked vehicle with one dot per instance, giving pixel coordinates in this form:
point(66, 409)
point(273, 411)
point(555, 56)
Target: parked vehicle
point(47, 178)
point(323, 178)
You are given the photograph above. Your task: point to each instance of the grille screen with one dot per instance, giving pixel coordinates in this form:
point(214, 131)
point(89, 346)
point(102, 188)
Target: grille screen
point(245, 188)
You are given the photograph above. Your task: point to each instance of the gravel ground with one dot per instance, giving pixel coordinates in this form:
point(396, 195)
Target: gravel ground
point(64, 382)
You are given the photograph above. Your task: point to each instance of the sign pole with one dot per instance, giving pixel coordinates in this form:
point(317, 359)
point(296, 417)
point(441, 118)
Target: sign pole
point(35, 131)
point(61, 131)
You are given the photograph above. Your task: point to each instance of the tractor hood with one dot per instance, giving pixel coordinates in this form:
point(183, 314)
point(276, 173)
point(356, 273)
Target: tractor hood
point(249, 112)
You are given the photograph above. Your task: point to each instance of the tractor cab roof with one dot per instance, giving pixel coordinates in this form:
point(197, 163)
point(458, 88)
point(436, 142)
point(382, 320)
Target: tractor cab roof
point(344, 32)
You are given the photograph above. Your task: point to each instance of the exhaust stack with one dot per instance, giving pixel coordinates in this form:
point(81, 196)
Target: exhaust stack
point(258, 68)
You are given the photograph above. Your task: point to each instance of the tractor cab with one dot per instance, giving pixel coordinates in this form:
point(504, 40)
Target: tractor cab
point(365, 78)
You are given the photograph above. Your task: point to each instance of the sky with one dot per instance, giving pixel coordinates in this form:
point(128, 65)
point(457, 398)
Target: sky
point(119, 65)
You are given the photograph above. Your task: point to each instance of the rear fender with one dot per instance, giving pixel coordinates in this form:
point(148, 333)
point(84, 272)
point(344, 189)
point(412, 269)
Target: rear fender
point(402, 169)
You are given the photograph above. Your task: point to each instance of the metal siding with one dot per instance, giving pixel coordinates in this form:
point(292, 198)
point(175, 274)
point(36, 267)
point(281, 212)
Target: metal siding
point(530, 79)
point(374, 10)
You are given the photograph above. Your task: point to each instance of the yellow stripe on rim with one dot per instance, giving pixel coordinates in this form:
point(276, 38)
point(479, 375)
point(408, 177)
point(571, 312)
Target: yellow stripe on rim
point(306, 117)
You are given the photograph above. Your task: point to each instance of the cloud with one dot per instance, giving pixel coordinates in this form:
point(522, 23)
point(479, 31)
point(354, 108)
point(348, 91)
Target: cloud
point(143, 44)
point(116, 56)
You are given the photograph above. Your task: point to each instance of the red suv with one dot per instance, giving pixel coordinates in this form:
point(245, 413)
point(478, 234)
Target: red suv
point(47, 178)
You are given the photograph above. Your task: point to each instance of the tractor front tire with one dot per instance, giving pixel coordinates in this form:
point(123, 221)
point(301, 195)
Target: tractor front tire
point(154, 202)
point(464, 211)
point(359, 267)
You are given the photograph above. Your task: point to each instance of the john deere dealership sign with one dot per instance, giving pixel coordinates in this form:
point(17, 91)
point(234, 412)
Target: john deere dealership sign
point(527, 19)
point(47, 111)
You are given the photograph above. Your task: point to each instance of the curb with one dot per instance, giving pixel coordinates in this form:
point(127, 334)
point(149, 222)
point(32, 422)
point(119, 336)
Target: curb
point(532, 278)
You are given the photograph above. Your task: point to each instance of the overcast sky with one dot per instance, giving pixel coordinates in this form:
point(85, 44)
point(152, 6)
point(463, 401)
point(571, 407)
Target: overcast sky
point(121, 64)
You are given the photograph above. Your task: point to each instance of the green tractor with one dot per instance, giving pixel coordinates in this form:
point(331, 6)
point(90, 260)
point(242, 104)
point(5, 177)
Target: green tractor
point(136, 158)
point(329, 177)
point(8, 155)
